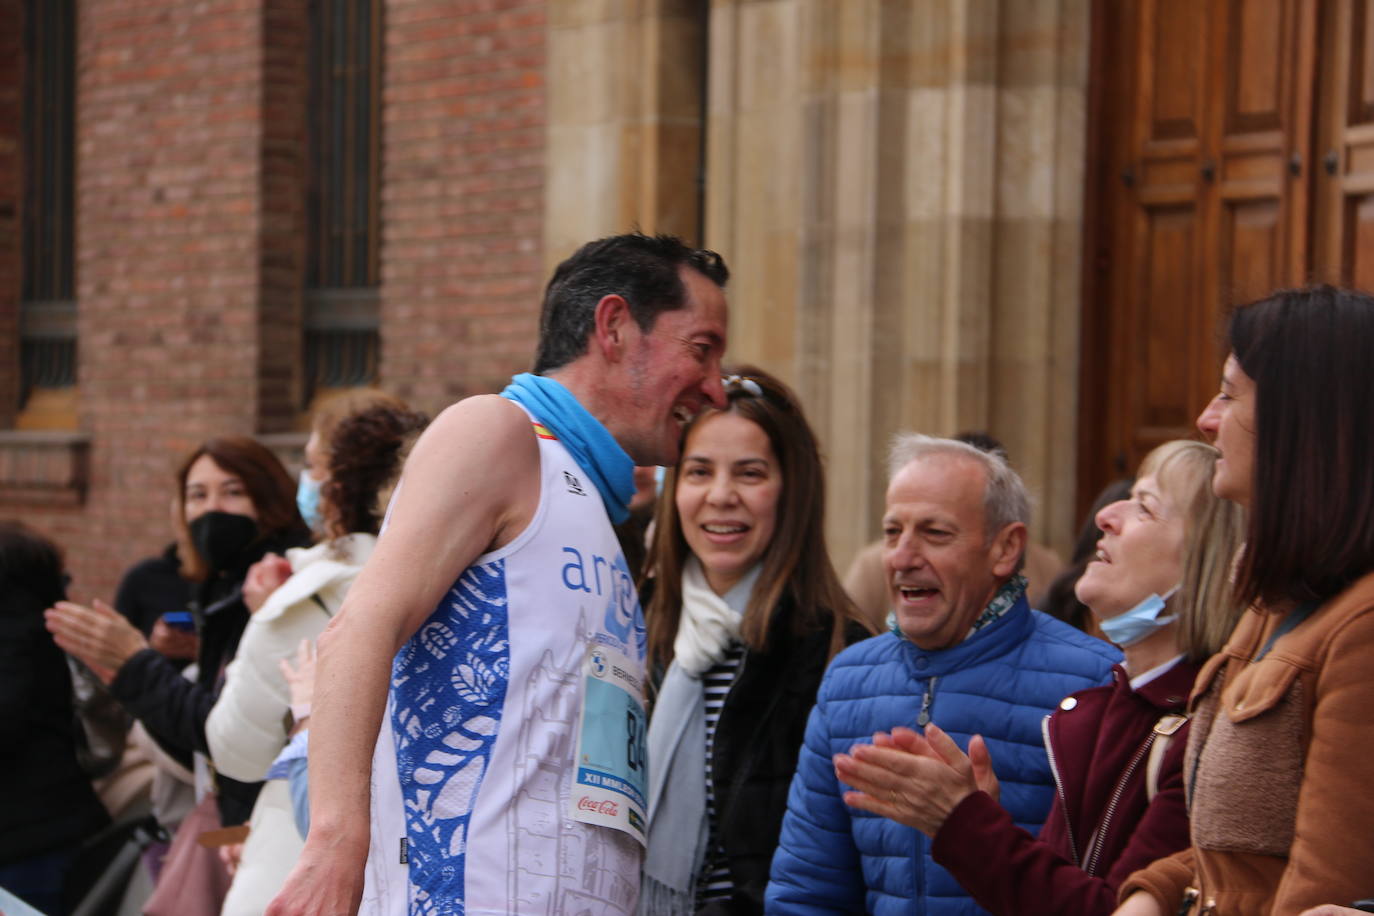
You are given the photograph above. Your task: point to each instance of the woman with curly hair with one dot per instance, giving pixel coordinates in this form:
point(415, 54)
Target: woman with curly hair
point(246, 730)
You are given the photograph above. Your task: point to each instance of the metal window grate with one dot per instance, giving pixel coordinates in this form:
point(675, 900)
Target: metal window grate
point(345, 97)
point(47, 346)
point(341, 340)
point(342, 346)
point(47, 332)
point(49, 155)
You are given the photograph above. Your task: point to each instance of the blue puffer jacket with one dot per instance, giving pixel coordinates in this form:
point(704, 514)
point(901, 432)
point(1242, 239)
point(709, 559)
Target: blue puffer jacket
point(998, 683)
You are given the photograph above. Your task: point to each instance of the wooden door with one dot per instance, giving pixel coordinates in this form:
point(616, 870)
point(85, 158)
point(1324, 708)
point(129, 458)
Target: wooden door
point(1201, 113)
point(1344, 174)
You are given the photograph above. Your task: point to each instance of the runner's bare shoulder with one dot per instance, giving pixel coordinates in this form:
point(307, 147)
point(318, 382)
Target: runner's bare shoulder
point(478, 462)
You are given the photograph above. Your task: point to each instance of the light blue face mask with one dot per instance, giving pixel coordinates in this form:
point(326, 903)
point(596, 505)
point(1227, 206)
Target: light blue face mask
point(1131, 627)
point(308, 499)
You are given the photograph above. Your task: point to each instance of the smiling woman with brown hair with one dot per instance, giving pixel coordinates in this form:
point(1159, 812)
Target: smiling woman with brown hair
point(745, 612)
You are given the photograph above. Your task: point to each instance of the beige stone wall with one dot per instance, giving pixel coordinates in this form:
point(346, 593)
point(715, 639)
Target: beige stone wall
point(624, 120)
point(896, 185)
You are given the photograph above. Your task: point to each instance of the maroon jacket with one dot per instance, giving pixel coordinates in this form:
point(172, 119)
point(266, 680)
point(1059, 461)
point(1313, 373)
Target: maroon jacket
point(1101, 827)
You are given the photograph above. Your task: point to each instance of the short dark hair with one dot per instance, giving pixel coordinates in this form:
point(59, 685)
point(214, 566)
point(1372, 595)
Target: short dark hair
point(1311, 519)
point(30, 563)
point(270, 488)
point(984, 441)
point(642, 269)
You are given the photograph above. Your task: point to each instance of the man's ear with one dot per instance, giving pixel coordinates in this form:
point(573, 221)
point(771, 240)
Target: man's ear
point(612, 325)
point(1007, 548)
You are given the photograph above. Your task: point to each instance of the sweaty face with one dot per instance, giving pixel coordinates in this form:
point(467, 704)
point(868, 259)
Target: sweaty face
point(727, 496)
point(1228, 422)
point(1139, 554)
point(941, 571)
point(210, 487)
point(674, 372)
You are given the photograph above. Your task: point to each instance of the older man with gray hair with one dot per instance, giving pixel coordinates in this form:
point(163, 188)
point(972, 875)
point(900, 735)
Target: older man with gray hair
point(965, 650)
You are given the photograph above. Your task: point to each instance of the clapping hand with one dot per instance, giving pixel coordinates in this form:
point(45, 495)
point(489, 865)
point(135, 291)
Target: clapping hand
point(914, 779)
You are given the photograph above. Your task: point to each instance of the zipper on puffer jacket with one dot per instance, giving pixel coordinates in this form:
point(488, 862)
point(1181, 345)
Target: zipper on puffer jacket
point(927, 700)
point(1099, 837)
point(1059, 788)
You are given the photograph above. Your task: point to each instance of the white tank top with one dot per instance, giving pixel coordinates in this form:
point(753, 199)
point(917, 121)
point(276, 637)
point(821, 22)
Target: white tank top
point(474, 763)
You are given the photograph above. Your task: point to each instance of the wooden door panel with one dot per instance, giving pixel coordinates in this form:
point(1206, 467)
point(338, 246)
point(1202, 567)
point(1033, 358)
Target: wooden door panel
point(1207, 120)
point(1172, 66)
point(1264, 151)
point(1258, 132)
point(1344, 247)
point(1254, 86)
point(1169, 236)
point(1360, 79)
point(1251, 251)
point(1357, 255)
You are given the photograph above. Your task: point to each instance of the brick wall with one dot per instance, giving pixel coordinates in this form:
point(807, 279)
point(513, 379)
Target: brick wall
point(462, 195)
point(169, 140)
point(190, 232)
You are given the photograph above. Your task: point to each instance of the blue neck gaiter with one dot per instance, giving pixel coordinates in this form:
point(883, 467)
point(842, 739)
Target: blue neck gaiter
point(591, 445)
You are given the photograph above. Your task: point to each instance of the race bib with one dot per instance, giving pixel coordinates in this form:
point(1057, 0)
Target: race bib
point(612, 769)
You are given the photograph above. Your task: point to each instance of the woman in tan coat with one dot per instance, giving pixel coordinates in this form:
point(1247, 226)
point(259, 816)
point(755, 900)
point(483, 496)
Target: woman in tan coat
point(1281, 757)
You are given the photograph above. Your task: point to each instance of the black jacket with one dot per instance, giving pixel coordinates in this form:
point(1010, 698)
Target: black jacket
point(173, 709)
point(758, 738)
point(151, 588)
point(46, 800)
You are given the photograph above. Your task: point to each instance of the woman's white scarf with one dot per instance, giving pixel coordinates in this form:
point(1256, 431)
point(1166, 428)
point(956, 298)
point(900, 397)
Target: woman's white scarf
point(707, 627)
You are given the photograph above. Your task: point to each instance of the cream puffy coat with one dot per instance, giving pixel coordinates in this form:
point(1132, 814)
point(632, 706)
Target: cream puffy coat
point(247, 727)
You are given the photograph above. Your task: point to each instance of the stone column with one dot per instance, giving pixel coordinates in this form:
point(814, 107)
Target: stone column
point(624, 120)
point(897, 185)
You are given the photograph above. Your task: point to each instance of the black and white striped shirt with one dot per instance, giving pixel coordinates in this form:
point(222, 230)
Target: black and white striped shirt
point(714, 882)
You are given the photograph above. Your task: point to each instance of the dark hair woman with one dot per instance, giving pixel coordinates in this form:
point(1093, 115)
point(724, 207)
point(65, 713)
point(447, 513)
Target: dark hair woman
point(745, 613)
point(47, 806)
point(237, 503)
point(360, 459)
point(1281, 757)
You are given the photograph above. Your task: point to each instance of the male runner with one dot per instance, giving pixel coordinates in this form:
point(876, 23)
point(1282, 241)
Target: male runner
point(497, 606)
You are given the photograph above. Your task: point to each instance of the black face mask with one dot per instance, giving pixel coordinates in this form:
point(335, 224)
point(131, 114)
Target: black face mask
point(222, 537)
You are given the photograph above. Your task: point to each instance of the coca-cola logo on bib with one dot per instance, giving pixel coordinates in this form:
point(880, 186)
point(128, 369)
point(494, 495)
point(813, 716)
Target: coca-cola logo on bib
point(604, 806)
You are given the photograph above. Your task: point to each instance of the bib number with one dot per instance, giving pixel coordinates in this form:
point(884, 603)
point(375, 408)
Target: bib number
point(612, 763)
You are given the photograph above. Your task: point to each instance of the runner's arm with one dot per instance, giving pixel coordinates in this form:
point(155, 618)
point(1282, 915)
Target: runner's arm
point(471, 484)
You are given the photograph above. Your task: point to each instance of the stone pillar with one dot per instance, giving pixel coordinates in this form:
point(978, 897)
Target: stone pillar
point(897, 185)
point(624, 120)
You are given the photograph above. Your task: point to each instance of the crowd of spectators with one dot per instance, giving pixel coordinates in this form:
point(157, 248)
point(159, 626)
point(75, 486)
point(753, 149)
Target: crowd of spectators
point(1182, 733)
